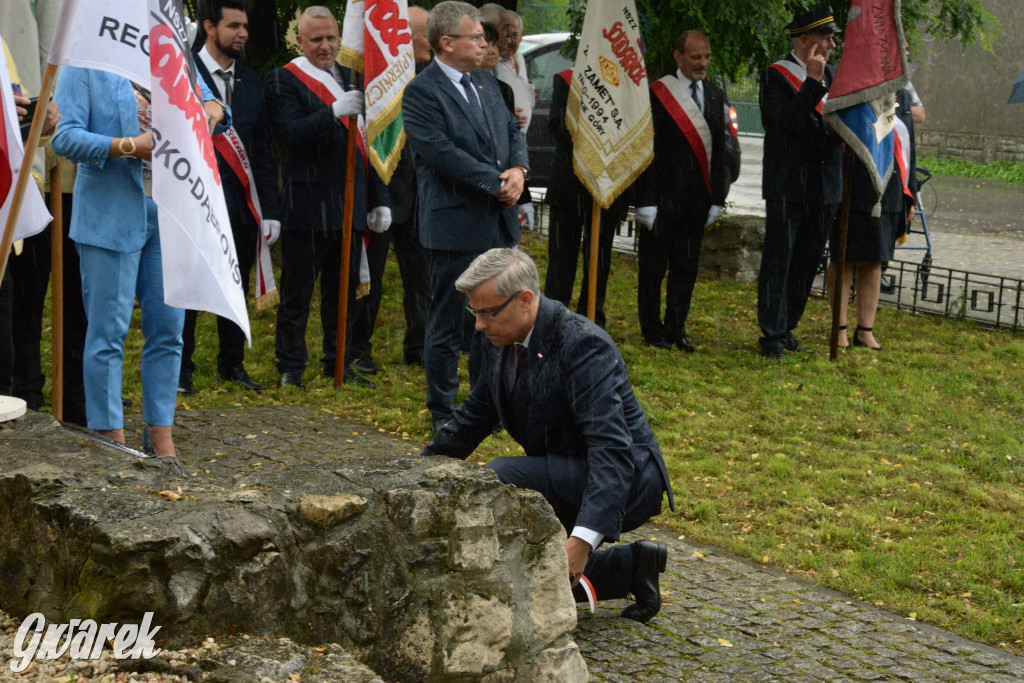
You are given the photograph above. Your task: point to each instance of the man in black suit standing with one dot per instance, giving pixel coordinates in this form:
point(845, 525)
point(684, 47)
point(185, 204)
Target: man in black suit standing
point(802, 184)
point(682, 192)
point(471, 165)
point(310, 105)
point(558, 384)
point(226, 24)
point(571, 206)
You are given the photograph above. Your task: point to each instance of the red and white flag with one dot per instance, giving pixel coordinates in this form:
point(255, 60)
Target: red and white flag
point(34, 216)
point(145, 41)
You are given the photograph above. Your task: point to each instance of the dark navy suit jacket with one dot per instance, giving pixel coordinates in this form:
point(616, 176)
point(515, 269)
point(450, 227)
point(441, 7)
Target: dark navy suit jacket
point(458, 162)
point(573, 401)
point(251, 123)
point(315, 144)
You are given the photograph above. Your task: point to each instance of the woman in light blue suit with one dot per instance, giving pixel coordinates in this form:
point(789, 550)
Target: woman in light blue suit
point(105, 127)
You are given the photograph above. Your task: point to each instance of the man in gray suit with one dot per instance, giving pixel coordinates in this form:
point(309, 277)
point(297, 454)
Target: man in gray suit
point(471, 165)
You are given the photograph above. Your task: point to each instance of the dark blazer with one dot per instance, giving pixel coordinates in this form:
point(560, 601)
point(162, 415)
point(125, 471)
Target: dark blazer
point(574, 400)
point(803, 155)
point(564, 188)
point(674, 181)
point(315, 143)
point(253, 127)
point(458, 162)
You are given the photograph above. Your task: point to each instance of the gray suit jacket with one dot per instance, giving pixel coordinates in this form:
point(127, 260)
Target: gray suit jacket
point(458, 162)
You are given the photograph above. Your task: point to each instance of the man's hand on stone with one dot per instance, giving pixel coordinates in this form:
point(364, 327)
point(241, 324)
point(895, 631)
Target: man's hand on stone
point(509, 193)
point(349, 104)
point(577, 550)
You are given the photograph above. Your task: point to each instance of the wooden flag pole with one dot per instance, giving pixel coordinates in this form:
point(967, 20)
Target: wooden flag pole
point(346, 251)
point(595, 229)
point(35, 132)
point(838, 291)
point(57, 291)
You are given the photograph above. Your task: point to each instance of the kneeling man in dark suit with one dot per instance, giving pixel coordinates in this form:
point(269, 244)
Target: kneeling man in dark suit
point(558, 384)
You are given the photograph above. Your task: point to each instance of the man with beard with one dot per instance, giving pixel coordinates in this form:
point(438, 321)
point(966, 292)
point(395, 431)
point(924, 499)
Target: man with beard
point(227, 30)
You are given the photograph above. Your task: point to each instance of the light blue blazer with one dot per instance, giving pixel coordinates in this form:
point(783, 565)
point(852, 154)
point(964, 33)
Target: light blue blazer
point(109, 210)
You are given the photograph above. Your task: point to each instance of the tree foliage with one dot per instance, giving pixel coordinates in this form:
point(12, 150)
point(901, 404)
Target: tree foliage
point(747, 35)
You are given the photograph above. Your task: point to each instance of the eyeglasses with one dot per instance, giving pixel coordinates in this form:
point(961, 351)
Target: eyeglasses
point(494, 311)
point(475, 37)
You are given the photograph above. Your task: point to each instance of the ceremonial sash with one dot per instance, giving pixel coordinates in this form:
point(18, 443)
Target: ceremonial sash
point(322, 84)
point(796, 75)
point(687, 115)
point(229, 146)
point(902, 148)
point(566, 76)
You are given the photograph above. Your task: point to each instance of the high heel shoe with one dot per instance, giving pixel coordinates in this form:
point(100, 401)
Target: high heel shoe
point(858, 342)
point(169, 463)
point(147, 445)
point(842, 328)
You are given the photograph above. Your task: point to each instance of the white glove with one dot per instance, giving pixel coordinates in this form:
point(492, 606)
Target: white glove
point(645, 216)
point(713, 213)
point(379, 219)
point(191, 29)
point(349, 104)
point(271, 230)
point(526, 215)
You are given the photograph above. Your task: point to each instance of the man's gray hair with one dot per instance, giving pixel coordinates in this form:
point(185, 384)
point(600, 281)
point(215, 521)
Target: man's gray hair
point(317, 12)
point(444, 20)
point(510, 271)
point(512, 13)
point(491, 13)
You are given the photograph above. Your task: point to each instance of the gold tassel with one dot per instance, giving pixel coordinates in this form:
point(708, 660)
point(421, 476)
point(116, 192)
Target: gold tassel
point(268, 300)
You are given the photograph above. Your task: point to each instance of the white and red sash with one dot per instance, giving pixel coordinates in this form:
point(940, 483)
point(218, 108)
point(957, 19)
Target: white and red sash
point(902, 151)
point(796, 75)
point(322, 84)
point(229, 145)
point(687, 115)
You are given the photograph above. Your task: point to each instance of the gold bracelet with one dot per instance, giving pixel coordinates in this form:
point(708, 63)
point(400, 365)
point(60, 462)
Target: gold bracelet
point(128, 152)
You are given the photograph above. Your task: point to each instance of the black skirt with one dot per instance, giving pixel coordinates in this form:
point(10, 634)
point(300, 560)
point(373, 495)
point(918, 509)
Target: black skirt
point(868, 240)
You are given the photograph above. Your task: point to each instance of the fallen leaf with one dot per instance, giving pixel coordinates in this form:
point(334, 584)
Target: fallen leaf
point(724, 643)
point(170, 495)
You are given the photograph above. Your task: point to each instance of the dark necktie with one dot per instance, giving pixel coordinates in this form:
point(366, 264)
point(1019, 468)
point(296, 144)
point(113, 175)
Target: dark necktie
point(696, 95)
point(227, 85)
point(474, 104)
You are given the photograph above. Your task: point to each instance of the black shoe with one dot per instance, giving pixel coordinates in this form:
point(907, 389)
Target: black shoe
point(413, 360)
point(791, 345)
point(858, 342)
point(353, 377)
point(650, 558)
point(185, 385)
point(685, 344)
point(840, 346)
point(365, 365)
point(439, 423)
point(661, 343)
point(773, 353)
point(292, 379)
point(239, 376)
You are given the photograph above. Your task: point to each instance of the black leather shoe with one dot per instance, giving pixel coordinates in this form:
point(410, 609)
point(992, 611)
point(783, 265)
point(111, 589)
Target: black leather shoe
point(353, 377)
point(685, 344)
point(365, 365)
point(239, 376)
point(651, 557)
point(439, 423)
point(292, 379)
point(185, 385)
point(660, 344)
point(773, 353)
point(793, 346)
point(413, 360)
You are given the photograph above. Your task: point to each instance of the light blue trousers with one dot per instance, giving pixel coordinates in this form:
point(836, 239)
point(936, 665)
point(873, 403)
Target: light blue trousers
point(111, 281)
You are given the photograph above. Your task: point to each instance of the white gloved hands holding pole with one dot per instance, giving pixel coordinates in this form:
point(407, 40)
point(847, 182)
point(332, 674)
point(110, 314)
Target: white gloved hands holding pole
point(379, 219)
point(349, 104)
point(526, 215)
point(646, 215)
point(271, 230)
point(713, 213)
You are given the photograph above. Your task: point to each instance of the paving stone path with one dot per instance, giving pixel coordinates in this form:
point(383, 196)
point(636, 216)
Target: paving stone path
point(724, 618)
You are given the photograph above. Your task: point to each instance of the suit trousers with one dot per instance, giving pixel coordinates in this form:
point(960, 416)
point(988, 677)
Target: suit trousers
point(231, 351)
point(562, 481)
point(412, 265)
point(675, 246)
point(568, 225)
point(111, 281)
point(794, 242)
point(307, 255)
point(365, 314)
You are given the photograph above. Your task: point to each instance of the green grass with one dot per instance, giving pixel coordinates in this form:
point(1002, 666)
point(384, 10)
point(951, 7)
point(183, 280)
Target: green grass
point(894, 477)
point(1006, 171)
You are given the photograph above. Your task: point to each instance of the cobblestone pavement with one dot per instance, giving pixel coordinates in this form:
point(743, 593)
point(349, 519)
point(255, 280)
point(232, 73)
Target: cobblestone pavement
point(723, 618)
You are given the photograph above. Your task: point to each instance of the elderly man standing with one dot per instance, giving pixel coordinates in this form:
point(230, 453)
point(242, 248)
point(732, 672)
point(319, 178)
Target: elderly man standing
point(310, 105)
point(471, 165)
point(682, 192)
point(559, 385)
point(802, 183)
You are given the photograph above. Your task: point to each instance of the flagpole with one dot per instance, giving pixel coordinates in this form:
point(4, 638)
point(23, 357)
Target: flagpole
point(57, 291)
point(346, 243)
point(595, 229)
point(35, 132)
point(838, 291)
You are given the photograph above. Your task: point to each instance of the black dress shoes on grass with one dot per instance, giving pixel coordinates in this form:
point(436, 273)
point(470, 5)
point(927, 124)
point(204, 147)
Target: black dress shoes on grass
point(185, 385)
point(649, 558)
point(239, 376)
point(292, 379)
point(365, 366)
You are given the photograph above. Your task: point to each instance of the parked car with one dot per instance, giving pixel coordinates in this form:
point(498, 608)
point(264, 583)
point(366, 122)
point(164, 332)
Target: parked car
point(542, 53)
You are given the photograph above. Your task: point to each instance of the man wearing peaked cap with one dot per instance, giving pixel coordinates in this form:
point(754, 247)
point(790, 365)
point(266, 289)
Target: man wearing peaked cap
point(802, 182)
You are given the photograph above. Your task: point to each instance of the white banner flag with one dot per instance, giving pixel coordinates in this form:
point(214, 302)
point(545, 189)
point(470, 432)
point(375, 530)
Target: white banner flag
point(609, 107)
point(34, 216)
point(199, 260)
point(104, 35)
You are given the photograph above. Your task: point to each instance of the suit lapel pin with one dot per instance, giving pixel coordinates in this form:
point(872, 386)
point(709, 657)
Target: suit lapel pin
point(540, 357)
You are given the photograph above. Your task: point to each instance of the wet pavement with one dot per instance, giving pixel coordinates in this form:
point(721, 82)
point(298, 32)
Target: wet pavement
point(723, 618)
